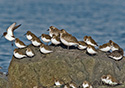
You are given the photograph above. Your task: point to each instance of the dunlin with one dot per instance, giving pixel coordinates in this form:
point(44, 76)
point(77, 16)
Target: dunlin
point(45, 49)
point(82, 45)
point(18, 54)
point(29, 52)
point(86, 84)
point(9, 34)
point(46, 38)
point(11, 29)
point(53, 30)
point(108, 79)
point(19, 43)
point(55, 40)
point(72, 85)
point(36, 41)
point(117, 54)
point(85, 39)
point(58, 82)
point(90, 41)
point(105, 47)
point(91, 50)
point(66, 86)
point(68, 39)
point(114, 46)
point(29, 35)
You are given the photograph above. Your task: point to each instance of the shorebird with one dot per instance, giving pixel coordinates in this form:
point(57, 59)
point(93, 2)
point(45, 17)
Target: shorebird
point(66, 86)
point(45, 49)
point(86, 84)
point(30, 35)
point(91, 50)
point(90, 41)
point(19, 43)
point(58, 82)
point(53, 30)
point(55, 40)
point(29, 52)
point(85, 39)
point(68, 39)
point(82, 45)
point(105, 47)
point(117, 54)
point(18, 54)
point(9, 35)
point(114, 46)
point(72, 85)
point(108, 79)
point(46, 38)
point(36, 41)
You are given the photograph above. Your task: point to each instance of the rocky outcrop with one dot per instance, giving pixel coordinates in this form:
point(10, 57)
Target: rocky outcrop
point(68, 65)
point(3, 81)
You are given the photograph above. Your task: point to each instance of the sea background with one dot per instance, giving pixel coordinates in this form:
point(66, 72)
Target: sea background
point(104, 20)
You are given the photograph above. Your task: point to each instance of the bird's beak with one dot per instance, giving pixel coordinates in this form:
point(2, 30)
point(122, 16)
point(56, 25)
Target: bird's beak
point(48, 30)
point(1, 36)
point(24, 34)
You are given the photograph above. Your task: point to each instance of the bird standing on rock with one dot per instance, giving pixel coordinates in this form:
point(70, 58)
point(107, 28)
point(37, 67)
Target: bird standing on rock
point(67, 39)
point(45, 49)
point(53, 30)
point(19, 43)
point(46, 38)
point(30, 35)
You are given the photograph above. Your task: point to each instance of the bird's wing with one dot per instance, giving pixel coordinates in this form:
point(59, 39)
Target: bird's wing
point(16, 27)
point(10, 28)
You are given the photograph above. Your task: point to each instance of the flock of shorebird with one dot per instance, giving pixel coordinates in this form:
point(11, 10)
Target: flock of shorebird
point(57, 37)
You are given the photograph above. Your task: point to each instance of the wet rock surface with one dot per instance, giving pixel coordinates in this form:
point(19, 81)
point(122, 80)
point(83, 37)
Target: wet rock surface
point(68, 65)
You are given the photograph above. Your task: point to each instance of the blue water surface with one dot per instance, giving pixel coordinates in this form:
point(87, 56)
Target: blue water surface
point(104, 20)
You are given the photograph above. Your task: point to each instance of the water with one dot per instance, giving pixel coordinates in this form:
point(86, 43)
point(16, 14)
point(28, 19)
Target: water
point(101, 19)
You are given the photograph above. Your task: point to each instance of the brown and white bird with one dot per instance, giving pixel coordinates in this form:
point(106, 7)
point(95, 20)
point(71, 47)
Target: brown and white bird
point(18, 54)
point(82, 45)
point(9, 35)
point(19, 43)
point(117, 54)
point(114, 46)
point(72, 85)
point(105, 47)
point(55, 40)
point(45, 49)
point(53, 30)
point(108, 79)
point(91, 41)
point(58, 82)
point(86, 84)
point(46, 38)
point(29, 35)
point(29, 52)
point(67, 86)
point(36, 41)
point(91, 50)
point(68, 39)
point(85, 39)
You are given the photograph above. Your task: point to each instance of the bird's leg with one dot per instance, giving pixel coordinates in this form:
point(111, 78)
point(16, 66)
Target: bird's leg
point(1, 36)
point(68, 47)
point(12, 43)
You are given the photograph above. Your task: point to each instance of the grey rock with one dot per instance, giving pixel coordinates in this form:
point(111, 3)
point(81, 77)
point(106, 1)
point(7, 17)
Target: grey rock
point(68, 65)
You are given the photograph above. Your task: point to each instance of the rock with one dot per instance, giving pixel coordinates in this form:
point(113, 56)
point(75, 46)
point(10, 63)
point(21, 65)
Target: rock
point(68, 65)
point(3, 81)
